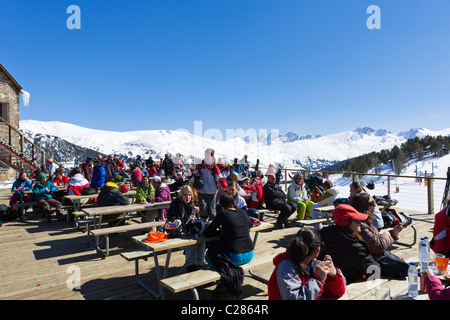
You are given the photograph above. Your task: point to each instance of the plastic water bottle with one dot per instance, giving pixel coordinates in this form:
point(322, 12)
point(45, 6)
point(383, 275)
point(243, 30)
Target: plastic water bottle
point(427, 241)
point(424, 256)
point(413, 289)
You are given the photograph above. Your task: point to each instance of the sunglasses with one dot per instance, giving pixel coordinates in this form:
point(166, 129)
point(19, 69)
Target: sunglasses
point(372, 203)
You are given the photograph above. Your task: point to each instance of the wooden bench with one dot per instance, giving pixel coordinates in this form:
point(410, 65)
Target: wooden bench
point(310, 222)
point(106, 232)
point(195, 279)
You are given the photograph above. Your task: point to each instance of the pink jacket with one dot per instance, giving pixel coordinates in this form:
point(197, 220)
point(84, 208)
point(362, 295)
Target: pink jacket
point(435, 289)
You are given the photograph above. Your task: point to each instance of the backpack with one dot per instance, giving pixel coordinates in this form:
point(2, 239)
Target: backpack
point(7, 214)
point(198, 180)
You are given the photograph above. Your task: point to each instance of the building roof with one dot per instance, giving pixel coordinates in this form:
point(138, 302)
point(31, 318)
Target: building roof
point(2, 68)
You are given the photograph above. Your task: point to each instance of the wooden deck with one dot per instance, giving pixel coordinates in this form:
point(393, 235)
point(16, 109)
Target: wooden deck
point(39, 260)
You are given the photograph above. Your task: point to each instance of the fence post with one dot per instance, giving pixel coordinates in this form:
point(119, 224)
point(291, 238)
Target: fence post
point(389, 186)
point(285, 180)
point(430, 195)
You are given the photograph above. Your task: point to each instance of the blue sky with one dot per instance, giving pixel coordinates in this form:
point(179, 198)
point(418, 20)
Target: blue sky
point(311, 67)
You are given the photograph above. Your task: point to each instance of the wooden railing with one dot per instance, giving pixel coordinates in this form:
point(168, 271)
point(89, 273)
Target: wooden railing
point(428, 182)
point(16, 139)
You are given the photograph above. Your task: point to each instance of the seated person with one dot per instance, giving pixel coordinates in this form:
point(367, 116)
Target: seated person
point(60, 180)
point(144, 190)
point(276, 199)
point(299, 276)
point(327, 199)
point(110, 195)
point(22, 184)
point(234, 248)
point(441, 238)
point(256, 193)
point(162, 193)
point(182, 208)
point(377, 243)
point(42, 192)
point(240, 202)
point(76, 183)
point(345, 246)
point(298, 194)
point(434, 286)
point(136, 176)
point(355, 188)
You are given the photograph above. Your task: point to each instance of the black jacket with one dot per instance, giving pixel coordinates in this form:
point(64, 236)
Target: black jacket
point(110, 196)
point(180, 210)
point(235, 230)
point(351, 255)
point(273, 193)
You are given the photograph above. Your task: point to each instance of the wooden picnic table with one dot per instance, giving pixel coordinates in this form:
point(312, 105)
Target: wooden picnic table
point(97, 214)
point(76, 199)
point(177, 243)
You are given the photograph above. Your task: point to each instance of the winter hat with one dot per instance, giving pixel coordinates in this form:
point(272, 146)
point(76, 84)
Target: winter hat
point(209, 159)
point(344, 212)
point(88, 158)
point(117, 178)
point(124, 188)
point(156, 179)
point(270, 171)
point(41, 176)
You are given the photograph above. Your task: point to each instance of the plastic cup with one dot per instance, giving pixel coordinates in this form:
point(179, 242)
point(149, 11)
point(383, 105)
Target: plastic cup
point(381, 294)
point(354, 294)
point(441, 262)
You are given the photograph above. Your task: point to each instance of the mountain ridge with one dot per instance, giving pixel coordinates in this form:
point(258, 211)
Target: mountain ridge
point(289, 150)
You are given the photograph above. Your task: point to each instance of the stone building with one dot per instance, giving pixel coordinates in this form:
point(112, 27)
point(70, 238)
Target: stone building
point(10, 91)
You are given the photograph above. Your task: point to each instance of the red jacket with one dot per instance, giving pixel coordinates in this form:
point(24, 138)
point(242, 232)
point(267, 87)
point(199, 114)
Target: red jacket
point(257, 193)
point(441, 236)
point(333, 286)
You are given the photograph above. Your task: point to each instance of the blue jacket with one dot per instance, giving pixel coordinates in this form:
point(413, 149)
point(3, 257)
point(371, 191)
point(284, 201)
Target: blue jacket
point(98, 176)
point(27, 185)
point(39, 190)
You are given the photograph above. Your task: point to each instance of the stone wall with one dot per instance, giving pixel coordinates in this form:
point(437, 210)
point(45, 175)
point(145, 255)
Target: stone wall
point(9, 94)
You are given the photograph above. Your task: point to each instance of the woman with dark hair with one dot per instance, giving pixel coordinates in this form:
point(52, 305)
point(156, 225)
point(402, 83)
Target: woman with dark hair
point(234, 248)
point(376, 242)
point(344, 244)
point(299, 276)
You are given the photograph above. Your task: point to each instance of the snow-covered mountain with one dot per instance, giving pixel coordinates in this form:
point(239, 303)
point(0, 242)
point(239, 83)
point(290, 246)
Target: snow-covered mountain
point(290, 151)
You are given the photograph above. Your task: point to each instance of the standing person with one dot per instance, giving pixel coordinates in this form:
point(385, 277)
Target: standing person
point(42, 192)
point(212, 177)
point(98, 175)
point(298, 194)
point(276, 200)
point(110, 168)
point(298, 275)
point(233, 249)
point(86, 168)
point(167, 164)
point(345, 246)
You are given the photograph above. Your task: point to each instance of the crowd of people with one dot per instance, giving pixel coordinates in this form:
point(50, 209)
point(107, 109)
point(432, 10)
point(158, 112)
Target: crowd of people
point(226, 200)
